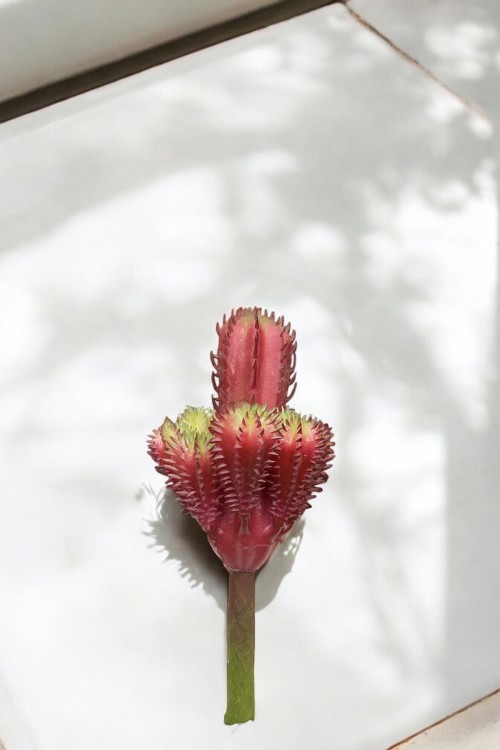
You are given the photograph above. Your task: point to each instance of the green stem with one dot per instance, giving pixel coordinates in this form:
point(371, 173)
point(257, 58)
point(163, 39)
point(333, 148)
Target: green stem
point(240, 648)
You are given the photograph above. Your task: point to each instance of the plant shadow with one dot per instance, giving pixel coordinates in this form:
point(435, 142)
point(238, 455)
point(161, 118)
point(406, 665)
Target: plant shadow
point(179, 537)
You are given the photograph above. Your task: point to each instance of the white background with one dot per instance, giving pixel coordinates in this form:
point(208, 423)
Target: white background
point(307, 169)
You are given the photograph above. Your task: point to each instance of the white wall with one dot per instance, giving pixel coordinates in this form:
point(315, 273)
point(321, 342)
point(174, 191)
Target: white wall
point(43, 41)
point(306, 169)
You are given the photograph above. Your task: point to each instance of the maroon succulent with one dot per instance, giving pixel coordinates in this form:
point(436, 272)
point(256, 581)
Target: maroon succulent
point(245, 470)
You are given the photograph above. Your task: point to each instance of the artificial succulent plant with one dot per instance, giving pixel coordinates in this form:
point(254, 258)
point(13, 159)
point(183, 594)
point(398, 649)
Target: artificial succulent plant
point(245, 470)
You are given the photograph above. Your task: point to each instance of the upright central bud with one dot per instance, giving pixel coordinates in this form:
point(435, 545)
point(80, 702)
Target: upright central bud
point(255, 359)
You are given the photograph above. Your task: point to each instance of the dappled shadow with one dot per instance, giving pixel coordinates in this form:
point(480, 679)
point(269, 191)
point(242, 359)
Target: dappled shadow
point(310, 170)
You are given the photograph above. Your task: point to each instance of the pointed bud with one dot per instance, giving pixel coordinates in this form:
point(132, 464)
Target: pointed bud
point(255, 359)
point(303, 456)
point(181, 451)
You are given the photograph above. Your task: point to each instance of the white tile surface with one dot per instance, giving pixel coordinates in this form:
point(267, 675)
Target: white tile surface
point(477, 726)
point(306, 170)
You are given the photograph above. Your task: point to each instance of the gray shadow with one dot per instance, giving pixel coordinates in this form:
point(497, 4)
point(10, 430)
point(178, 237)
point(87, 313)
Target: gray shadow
point(181, 540)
